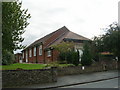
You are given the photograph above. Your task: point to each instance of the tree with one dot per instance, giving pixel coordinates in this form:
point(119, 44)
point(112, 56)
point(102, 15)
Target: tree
point(67, 53)
point(64, 49)
point(64, 46)
point(111, 39)
point(96, 47)
point(14, 21)
point(86, 58)
point(75, 58)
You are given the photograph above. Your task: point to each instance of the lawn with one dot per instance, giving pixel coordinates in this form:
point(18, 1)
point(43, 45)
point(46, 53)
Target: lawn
point(31, 66)
point(23, 66)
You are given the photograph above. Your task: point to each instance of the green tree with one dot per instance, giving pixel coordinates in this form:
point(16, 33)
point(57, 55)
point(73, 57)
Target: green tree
point(67, 53)
point(86, 58)
point(96, 47)
point(111, 39)
point(64, 46)
point(14, 21)
point(64, 49)
point(75, 58)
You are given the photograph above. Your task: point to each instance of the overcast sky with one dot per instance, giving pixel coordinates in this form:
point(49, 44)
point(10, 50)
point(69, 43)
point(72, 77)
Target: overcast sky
point(84, 17)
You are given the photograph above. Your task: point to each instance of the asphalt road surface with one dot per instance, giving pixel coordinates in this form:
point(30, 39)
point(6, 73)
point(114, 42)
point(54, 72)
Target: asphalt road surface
point(111, 83)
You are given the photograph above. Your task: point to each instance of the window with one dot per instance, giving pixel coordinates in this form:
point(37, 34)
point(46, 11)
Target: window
point(30, 52)
point(34, 51)
point(40, 50)
point(26, 56)
point(49, 53)
point(23, 54)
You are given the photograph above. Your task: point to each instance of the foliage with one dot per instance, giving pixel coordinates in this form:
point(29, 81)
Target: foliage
point(67, 53)
point(108, 42)
point(96, 47)
point(8, 58)
point(111, 39)
point(64, 46)
point(75, 58)
point(14, 21)
point(62, 57)
point(71, 57)
point(86, 58)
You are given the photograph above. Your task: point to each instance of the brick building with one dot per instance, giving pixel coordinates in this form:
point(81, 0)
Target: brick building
point(41, 51)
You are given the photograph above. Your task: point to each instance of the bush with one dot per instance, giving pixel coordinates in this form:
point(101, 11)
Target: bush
point(86, 58)
point(8, 58)
point(75, 58)
point(62, 56)
point(71, 57)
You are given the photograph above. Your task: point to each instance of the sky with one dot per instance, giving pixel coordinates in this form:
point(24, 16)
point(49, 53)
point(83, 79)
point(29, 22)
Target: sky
point(84, 17)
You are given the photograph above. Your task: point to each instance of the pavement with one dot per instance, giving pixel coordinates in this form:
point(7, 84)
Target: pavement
point(111, 83)
point(77, 79)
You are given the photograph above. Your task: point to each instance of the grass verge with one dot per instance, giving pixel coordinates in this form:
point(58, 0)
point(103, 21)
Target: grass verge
point(22, 66)
point(31, 66)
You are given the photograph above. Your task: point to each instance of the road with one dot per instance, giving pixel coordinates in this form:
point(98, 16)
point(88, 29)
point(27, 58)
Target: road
point(112, 83)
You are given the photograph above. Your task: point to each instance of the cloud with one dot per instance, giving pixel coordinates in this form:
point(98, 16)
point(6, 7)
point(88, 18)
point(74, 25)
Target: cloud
point(85, 17)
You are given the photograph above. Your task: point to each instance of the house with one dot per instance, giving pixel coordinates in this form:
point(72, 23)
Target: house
point(41, 51)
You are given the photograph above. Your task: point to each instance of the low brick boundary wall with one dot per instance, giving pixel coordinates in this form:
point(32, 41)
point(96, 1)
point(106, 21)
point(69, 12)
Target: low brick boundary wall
point(94, 68)
point(17, 78)
point(78, 70)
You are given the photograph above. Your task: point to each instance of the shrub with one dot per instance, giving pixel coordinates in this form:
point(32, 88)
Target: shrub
point(62, 56)
point(8, 58)
point(75, 58)
point(71, 57)
point(86, 58)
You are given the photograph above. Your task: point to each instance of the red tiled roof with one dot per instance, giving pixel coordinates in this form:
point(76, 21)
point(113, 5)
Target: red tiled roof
point(106, 53)
point(62, 33)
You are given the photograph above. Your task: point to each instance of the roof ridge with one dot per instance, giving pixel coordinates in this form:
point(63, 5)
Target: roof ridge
point(57, 38)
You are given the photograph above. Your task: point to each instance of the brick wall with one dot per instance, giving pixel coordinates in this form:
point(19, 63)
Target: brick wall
point(17, 78)
point(94, 68)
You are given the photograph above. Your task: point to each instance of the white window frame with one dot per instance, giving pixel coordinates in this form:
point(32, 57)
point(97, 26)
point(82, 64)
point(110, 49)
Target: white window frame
point(49, 53)
point(30, 52)
point(34, 51)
